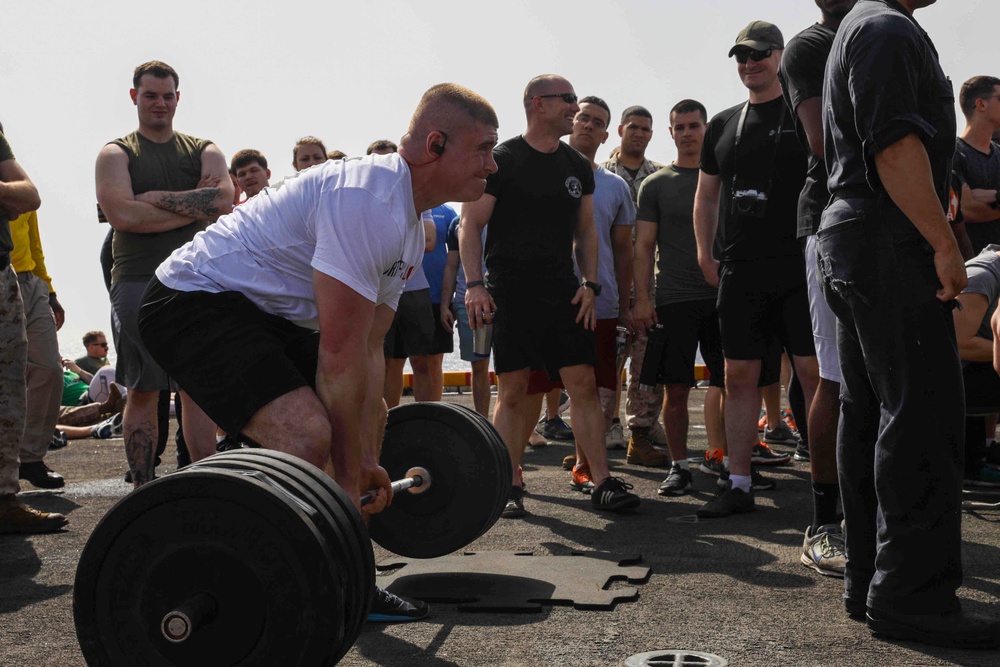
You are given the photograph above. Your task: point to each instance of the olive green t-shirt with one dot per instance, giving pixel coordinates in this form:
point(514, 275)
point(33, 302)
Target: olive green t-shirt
point(667, 198)
point(172, 166)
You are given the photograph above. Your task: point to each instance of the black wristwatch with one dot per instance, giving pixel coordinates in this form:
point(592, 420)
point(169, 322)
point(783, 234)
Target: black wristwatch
point(595, 287)
point(475, 283)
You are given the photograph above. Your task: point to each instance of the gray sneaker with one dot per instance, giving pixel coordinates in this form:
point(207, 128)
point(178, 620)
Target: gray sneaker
point(515, 504)
point(824, 551)
point(677, 483)
point(780, 435)
point(727, 501)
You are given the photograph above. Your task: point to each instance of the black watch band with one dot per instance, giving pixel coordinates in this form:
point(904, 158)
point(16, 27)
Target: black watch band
point(475, 283)
point(594, 287)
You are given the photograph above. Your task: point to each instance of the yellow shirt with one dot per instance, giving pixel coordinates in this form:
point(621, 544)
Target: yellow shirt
point(27, 254)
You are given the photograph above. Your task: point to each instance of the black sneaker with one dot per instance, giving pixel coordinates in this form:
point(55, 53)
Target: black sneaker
point(555, 429)
point(764, 455)
point(727, 501)
point(677, 483)
point(782, 434)
point(515, 504)
point(802, 452)
point(760, 483)
point(59, 440)
point(389, 608)
point(613, 495)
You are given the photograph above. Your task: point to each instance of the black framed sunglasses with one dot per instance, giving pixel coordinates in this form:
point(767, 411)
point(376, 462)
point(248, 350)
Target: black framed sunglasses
point(104, 345)
point(743, 55)
point(568, 98)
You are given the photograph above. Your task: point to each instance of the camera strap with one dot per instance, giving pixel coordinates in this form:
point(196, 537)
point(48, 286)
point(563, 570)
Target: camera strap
point(739, 134)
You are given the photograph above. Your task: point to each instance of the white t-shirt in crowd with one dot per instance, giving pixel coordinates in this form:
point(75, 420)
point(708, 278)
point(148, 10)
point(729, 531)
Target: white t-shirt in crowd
point(353, 220)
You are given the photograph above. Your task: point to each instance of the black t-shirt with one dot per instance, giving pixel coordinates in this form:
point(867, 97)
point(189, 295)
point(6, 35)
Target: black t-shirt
point(769, 160)
point(801, 75)
point(978, 171)
point(530, 234)
point(883, 82)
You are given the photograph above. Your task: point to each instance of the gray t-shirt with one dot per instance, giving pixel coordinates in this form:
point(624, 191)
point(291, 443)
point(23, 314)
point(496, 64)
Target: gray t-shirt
point(667, 199)
point(984, 278)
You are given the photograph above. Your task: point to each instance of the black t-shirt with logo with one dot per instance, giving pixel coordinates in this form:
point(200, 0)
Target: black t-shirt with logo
point(530, 234)
point(801, 75)
point(770, 160)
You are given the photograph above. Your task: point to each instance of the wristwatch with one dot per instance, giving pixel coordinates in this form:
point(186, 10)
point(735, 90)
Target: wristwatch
point(594, 287)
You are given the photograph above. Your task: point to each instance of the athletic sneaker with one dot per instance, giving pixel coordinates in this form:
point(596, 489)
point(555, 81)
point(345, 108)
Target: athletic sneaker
point(713, 465)
point(615, 437)
point(390, 608)
point(727, 501)
point(59, 440)
point(780, 435)
point(760, 483)
point(802, 452)
point(109, 428)
point(764, 455)
point(580, 479)
point(789, 419)
point(762, 421)
point(515, 504)
point(824, 550)
point(613, 495)
point(554, 429)
point(985, 477)
point(677, 483)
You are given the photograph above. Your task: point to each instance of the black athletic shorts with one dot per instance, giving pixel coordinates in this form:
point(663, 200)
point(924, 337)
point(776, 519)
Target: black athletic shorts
point(412, 330)
point(444, 341)
point(688, 325)
point(535, 327)
point(761, 302)
point(231, 357)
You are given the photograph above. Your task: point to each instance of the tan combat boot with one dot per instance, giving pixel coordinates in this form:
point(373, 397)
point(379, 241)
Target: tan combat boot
point(641, 451)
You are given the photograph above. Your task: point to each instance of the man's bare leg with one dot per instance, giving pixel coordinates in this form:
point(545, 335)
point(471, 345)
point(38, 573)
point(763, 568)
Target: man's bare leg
point(393, 389)
point(588, 420)
point(481, 386)
point(715, 423)
point(742, 407)
point(140, 432)
point(676, 419)
point(199, 429)
point(515, 414)
point(295, 423)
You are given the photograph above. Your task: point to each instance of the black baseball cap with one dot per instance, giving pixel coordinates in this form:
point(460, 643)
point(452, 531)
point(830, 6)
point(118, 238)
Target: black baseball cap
point(760, 36)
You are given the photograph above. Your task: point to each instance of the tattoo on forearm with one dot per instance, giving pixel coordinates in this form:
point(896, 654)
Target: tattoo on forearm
point(191, 204)
point(140, 447)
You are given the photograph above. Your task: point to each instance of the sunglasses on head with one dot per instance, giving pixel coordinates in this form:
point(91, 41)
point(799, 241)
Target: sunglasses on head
point(751, 54)
point(568, 98)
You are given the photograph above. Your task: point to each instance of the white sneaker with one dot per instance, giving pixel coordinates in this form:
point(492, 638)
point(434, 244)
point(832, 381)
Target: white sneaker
point(615, 437)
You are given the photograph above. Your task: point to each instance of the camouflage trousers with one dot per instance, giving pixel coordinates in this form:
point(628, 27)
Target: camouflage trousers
point(642, 408)
point(13, 358)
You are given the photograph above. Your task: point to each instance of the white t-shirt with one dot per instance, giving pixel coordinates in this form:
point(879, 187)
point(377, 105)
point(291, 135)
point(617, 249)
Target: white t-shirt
point(353, 220)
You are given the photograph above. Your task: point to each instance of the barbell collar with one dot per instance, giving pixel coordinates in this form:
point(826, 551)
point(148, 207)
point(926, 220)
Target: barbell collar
point(417, 480)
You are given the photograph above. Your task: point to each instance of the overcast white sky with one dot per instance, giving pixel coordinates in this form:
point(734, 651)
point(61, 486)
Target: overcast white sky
point(261, 74)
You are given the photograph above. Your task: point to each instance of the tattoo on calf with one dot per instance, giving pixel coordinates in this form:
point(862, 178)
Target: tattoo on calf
point(140, 448)
point(193, 204)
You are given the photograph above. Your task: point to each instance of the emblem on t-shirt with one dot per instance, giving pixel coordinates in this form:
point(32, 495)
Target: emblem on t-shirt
point(399, 268)
point(574, 187)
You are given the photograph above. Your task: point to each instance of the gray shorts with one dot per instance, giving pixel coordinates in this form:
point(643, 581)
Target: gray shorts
point(135, 368)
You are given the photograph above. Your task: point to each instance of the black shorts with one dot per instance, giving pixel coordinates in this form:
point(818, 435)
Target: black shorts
point(688, 325)
point(763, 302)
point(535, 327)
point(231, 357)
point(444, 341)
point(412, 330)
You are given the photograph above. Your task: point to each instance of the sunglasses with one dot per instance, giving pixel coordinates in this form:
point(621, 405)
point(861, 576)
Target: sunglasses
point(104, 345)
point(751, 54)
point(568, 98)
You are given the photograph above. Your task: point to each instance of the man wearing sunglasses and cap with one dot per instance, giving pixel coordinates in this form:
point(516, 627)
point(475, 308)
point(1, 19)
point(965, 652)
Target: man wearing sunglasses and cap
point(752, 169)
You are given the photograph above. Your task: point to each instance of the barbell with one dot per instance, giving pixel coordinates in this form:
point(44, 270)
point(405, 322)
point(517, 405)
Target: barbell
point(255, 557)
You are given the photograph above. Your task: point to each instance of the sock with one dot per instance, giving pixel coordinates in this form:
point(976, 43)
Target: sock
point(725, 460)
point(824, 503)
point(741, 482)
point(683, 463)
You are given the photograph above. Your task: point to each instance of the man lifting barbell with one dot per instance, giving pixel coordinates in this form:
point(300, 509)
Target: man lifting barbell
point(273, 318)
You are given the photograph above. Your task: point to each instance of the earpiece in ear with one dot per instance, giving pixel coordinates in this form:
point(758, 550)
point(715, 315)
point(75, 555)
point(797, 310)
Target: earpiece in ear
point(437, 148)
